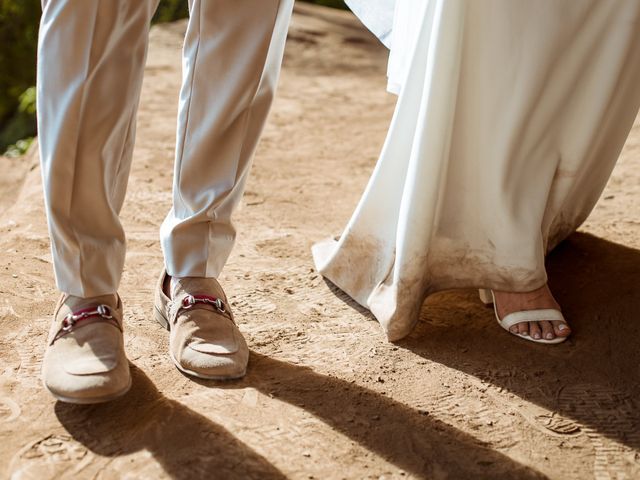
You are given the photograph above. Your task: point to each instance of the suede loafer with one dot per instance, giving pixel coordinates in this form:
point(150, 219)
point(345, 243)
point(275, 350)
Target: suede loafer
point(85, 361)
point(204, 340)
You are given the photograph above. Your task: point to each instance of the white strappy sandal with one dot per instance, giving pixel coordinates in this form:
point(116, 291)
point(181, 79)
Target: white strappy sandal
point(550, 314)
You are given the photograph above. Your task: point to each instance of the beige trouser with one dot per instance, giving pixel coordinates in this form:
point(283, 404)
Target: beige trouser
point(90, 65)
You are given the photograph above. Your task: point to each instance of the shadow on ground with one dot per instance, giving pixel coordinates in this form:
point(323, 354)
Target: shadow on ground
point(405, 437)
point(591, 382)
point(412, 441)
point(185, 443)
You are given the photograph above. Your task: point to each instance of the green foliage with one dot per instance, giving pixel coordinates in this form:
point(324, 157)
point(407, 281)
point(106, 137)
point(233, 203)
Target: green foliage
point(18, 42)
point(19, 148)
point(23, 122)
point(329, 3)
point(170, 10)
point(19, 20)
point(27, 101)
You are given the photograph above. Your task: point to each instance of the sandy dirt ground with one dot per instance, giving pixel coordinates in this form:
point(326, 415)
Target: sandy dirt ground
point(325, 397)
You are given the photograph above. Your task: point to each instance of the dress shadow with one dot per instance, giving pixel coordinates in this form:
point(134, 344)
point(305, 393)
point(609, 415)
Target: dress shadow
point(591, 382)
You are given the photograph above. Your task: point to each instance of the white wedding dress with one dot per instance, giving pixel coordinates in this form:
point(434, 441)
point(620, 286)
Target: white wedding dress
point(510, 117)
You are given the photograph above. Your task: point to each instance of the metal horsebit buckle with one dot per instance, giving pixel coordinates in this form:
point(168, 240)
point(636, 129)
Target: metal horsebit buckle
point(190, 300)
point(74, 317)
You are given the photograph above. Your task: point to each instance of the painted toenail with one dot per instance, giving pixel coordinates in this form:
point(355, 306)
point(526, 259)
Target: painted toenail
point(536, 336)
point(562, 327)
point(549, 336)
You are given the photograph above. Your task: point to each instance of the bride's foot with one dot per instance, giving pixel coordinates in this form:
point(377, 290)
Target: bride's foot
point(509, 302)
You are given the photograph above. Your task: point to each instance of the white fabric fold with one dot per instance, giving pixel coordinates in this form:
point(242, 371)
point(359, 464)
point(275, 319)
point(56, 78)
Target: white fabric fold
point(377, 15)
point(511, 116)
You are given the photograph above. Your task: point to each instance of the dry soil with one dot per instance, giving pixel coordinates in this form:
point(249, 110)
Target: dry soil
point(325, 397)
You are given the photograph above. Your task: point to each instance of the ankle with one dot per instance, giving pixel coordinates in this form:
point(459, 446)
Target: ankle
point(73, 302)
point(540, 298)
point(168, 284)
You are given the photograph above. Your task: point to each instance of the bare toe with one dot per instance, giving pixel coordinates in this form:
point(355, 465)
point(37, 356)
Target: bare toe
point(547, 330)
point(523, 328)
point(534, 330)
point(561, 329)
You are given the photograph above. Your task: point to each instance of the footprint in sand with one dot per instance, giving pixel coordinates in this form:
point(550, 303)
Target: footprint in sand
point(478, 417)
point(9, 410)
point(614, 428)
point(51, 457)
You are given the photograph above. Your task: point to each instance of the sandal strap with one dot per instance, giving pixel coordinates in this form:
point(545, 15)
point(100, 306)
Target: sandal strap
point(549, 314)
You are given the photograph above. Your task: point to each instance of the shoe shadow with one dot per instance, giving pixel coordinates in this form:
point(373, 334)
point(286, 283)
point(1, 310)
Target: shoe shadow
point(186, 444)
point(413, 441)
point(588, 384)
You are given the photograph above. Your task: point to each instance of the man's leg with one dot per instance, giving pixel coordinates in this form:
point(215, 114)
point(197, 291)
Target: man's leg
point(90, 64)
point(232, 56)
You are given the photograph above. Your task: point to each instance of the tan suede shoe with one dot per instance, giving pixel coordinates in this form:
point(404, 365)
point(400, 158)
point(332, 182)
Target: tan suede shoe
point(84, 361)
point(204, 341)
